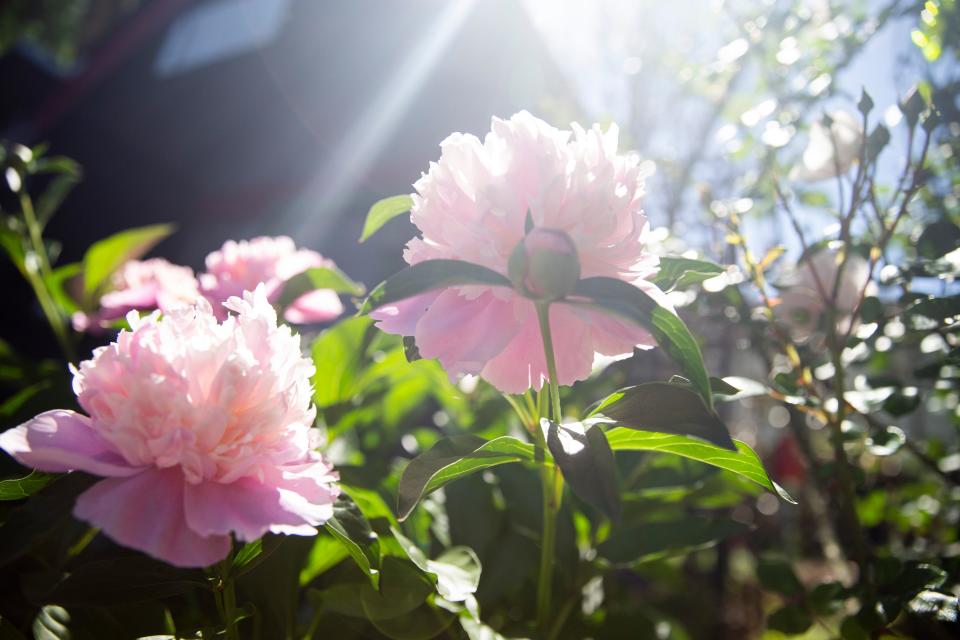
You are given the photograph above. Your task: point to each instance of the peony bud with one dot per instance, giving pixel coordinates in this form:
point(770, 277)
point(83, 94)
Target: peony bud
point(544, 266)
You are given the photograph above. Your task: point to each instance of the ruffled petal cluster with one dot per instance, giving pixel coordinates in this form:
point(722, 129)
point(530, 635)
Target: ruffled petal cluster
point(272, 261)
point(201, 429)
point(143, 285)
point(473, 205)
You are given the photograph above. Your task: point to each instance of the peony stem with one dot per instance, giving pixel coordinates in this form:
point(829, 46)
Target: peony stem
point(227, 599)
point(551, 480)
point(543, 314)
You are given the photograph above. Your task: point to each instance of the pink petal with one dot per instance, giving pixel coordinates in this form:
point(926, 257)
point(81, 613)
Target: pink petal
point(401, 318)
point(286, 502)
point(614, 336)
point(120, 301)
point(59, 441)
point(522, 364)
point(320, 305)
point(572, 344)
point(146, 512)
point(464, 334)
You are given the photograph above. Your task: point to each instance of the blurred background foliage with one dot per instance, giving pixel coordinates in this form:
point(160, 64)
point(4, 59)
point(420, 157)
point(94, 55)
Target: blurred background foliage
point(235, 118)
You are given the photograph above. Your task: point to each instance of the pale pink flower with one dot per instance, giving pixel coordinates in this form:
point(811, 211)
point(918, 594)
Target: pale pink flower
point(472, 205)
point(201, 429)
point(143, 285)
point(241, 266)
point(831, 150)
point(804, 303)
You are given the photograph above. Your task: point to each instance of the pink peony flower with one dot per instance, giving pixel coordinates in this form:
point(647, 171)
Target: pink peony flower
point(241, 266)
point(142, 285)
point(472, 205)
point(201, 429)
point(802, 305)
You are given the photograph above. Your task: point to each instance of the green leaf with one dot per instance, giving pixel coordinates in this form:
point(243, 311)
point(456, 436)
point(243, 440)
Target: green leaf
point(933, 605)
point(453, 458)
point(456, 570)
point(851, 629)
point(776, 574)
point(587, 464)
point(429, 276)
point(110, 582)
point(338, 358)
point(627, 301)
point(326, 553)
point(253, 553)
point(20, 488)
point(350, 527)
point(938, 239)
point(938, 309)
point(791, 620)
point(12, 245)
point(916, 577)
point(59, 282)
point(666, 408)
point(58, 190)
point(876, 141)
point(680, 272)
point(318, 278)
point(912, 106)
point(41, 516)
point(744, 462)
point(642, 541)
point(382, 212)
point(827, 598)
point(721, 386)
point(107, 255)
point(865, 105)
point(403, 588)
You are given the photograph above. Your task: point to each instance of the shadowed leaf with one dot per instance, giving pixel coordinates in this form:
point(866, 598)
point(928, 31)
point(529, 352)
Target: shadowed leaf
point(587, 464)
point(430, 276)
point(454, 458)
point(665, 407)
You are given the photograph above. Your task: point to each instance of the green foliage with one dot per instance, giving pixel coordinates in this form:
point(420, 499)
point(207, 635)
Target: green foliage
point(429, 276)
point(318, 278)
point(382, 212)
point(19, 488)
point(668, 408)
point(587, 464)
point(453, 458)
point(681, 272)
point(107, 255)
point(744, 461)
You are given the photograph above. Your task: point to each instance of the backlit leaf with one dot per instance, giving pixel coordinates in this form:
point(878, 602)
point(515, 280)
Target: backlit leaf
point(454, 458)
point(382, 212)
point(743, 462)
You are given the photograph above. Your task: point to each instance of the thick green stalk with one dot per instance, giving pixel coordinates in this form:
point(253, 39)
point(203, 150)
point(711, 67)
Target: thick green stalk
point(551, 481)
point(228, 597)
